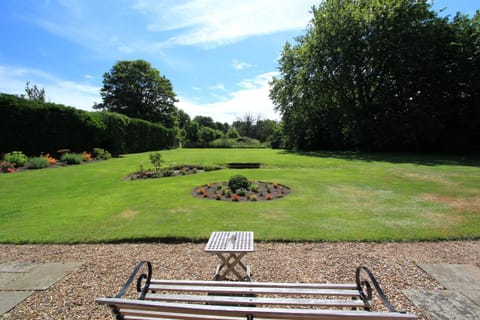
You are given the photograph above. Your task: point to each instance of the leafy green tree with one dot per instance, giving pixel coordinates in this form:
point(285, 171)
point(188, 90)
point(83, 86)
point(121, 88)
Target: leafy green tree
point(265, 129)
point(232, 133)
point(206, 135)
point(192, 133)
point(378, 74)
point(137, 90)
point(204, 121)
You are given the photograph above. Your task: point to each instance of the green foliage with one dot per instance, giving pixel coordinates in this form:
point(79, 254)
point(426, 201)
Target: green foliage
point(38, 127)
point(209, 167)
point(241, 142)
point(232, 133)
point(137, 90)
point(206, 135)
point(155, 159)
point(37, 163)
point(241, 192)
point(238, 182)
point(381, 75)
point(166, 172)
point(71, 158)
point(17, 158)
point(101, 154)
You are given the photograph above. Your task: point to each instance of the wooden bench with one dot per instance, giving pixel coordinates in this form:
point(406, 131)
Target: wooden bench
point(185, 299)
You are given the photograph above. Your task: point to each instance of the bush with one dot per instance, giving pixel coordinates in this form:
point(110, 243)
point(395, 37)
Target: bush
point(238, 182)
point(101, 154)
point(71, 158)
point(37, 163)
point(166, 172)
point(209, 167)
point(17, 158)
point(155, 159)
point(242, 142)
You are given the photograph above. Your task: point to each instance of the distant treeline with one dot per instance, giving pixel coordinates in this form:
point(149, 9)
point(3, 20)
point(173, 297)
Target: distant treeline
point(36, 127)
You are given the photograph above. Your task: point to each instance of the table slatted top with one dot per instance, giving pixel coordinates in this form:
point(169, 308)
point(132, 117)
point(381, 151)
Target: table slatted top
point(230, 241)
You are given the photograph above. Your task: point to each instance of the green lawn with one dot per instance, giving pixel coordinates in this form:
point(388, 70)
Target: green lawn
point(335, 196)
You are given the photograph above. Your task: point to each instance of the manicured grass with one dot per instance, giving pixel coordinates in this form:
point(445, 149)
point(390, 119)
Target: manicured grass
point(335, 196)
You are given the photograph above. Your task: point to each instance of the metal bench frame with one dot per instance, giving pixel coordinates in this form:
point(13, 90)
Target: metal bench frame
point(249, 300)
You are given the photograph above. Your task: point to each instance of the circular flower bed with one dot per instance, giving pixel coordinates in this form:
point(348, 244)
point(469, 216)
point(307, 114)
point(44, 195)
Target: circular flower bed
point(256, 191)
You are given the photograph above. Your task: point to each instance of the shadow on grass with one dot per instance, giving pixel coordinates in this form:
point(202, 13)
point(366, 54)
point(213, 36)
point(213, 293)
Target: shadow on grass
point(420, 159)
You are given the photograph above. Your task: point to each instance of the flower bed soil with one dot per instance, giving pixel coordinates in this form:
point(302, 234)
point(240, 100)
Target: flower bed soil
point(170, 172)
point(266, 191)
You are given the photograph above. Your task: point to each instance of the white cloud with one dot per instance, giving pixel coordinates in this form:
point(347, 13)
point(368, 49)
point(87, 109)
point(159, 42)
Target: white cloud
point(240, 65)
point(252, 98)
point(83, 96)
point(216, 22)
point(219, 86)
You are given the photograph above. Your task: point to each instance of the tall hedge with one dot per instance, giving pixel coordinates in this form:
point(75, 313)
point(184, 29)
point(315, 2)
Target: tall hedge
point(35, 127)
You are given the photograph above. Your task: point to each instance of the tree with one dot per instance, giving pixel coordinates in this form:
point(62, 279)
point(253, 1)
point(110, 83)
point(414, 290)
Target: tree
point(377, 75)
point(137, 90)
point(207, 135)
point(34, 93)
point(204, 121)
point(246, 125)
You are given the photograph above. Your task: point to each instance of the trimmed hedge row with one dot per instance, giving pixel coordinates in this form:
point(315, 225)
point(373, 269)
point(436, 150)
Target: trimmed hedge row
point(35, 127)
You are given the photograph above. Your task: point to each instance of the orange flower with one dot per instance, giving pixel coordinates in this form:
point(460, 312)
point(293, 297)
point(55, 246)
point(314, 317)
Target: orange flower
point(51, 160)
point(86, 156)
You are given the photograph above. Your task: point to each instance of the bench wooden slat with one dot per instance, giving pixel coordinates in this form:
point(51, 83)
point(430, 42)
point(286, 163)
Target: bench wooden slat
point(133, 314)
point(255, 290)
point(256, 301)
point(347, 286)
point(267, 313)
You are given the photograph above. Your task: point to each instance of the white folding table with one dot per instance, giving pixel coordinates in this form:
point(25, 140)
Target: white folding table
point(230, 247)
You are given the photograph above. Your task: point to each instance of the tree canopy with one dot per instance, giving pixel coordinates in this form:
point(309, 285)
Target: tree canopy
point(137, 90)
point(383, 75)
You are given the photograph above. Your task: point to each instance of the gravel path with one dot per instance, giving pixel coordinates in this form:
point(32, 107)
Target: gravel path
point(107, 266)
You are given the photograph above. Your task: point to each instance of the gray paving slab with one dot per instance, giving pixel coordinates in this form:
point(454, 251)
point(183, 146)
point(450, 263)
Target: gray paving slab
point(9, 299)
point(16, 267)
point(444, 304)
point(39, 277)
point(461, 277)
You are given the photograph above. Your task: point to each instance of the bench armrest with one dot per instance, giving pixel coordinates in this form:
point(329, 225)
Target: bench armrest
point(147, 277)
point(365, 288)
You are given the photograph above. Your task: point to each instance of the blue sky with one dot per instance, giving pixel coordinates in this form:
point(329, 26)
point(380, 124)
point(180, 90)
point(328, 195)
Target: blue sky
point(219, 55)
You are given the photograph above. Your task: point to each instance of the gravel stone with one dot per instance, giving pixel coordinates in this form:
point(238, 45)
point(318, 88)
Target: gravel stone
point(106, 267)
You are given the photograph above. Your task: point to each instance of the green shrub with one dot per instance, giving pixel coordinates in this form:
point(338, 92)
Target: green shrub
point(241, 192)
point(166, 172)
point(242, 142)
point(210, 167)
point(101, 154)
point(37, 163)
point(155, 159)
point(238, 182)
point(17, 158)
point(71, 158)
